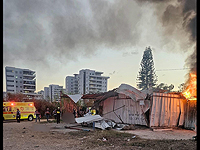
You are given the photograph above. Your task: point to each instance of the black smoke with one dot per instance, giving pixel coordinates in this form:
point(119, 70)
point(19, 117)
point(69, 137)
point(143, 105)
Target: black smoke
point(177, 11)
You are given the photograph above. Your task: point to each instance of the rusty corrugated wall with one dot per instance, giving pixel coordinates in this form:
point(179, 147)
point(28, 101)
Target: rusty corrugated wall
point(167, 110)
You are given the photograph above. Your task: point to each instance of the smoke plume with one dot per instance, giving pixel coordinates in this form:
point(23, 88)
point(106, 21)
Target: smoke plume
point(179, 14)
point(37, 32)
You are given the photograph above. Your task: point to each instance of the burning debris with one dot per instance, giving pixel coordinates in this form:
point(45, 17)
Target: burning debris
point(191, 92)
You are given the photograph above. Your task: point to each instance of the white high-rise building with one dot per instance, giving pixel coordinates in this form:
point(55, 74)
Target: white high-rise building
point(71, 84)
point(46, 93)
point(86, 82)
point(20, 81)
point(52, 93)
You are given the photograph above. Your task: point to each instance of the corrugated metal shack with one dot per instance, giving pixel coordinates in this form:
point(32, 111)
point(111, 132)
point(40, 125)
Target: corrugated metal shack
point(123, 105)
point(126, 104)
point(172, 109)
point(191, 114)
point(167, 110)
point(123, 109)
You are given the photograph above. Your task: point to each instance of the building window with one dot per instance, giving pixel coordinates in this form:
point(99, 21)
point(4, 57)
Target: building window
point(10, 90)
point(10, 80)
point(10, 75)
point(9, 70)
point(10, 85)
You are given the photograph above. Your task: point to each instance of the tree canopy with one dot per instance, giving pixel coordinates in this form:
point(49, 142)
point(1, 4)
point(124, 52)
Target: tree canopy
point(147, 78)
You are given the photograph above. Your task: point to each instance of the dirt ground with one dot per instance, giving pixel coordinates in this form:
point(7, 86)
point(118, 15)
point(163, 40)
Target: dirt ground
point(51, 136)
point(171, 134)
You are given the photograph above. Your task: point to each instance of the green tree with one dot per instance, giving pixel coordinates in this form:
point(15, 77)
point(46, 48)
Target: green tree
point(146, 78)
point(181, 87)
point(163, 86)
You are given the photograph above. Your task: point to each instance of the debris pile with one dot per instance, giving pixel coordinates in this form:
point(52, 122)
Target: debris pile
point(97, 121)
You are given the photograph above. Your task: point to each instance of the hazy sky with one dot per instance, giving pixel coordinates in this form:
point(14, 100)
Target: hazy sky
point(57, 38)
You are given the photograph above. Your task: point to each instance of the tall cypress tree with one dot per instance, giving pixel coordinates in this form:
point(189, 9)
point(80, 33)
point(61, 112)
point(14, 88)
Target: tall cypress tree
point(147, 77)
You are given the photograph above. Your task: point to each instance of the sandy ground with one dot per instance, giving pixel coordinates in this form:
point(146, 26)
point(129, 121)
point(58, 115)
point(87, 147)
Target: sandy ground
point(50, 136)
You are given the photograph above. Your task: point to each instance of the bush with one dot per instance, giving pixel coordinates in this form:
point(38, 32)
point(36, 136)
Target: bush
point(42, 105)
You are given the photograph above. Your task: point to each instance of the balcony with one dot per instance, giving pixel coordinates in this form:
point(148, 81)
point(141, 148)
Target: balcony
point(30, 93)
point(92, 86)
point(94, 90)
point(10, 73)
point(29, 88)
point(27, 71)
point(92, 79)
point(29, 74)
point(29, 82)
point(95, 85)
point(29, 78)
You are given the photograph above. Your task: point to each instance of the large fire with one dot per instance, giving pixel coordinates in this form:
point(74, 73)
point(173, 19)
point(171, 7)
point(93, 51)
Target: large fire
point(191, 90)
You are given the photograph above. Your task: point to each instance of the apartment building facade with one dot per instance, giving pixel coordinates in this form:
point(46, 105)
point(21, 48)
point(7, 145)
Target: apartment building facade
point(46, 93)
point(20, 81)
point(86, 82)
point(71, 84)
point(52, 93)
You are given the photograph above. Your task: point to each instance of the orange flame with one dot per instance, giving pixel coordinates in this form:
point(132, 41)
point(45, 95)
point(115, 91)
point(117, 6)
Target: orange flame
point(191, 90)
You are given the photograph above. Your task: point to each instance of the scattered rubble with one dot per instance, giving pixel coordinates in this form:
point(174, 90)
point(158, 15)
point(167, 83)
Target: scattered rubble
point(133, 137)
point(104, 139)
point(101, 123)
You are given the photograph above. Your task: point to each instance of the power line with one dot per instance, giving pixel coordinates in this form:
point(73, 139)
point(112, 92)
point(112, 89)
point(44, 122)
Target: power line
point(172, 69)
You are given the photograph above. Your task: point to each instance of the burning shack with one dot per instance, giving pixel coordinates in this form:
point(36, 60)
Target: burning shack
point(190, 93)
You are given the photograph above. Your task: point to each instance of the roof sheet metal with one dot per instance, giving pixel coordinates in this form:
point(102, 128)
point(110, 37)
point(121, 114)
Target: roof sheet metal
point(89, 118)
point(75, 97)
point(167, 110)
point(131, 92)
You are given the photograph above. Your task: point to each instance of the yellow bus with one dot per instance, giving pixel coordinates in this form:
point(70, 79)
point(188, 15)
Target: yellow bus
point(27, 110)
